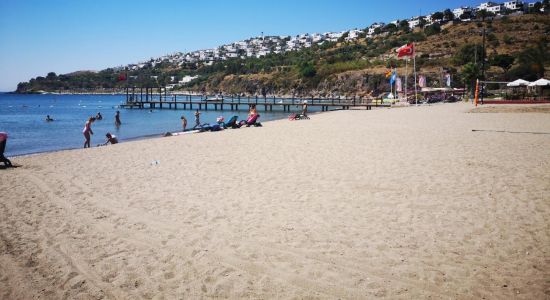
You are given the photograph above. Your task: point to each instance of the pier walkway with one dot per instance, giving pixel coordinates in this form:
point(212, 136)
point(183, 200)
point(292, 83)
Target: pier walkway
point(235, 103)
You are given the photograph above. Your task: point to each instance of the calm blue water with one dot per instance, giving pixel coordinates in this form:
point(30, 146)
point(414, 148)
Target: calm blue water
point(23, 118)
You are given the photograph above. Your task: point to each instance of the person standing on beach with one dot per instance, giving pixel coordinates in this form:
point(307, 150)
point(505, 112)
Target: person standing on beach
point(304, 108)
point(3, 141)
point(183, 122)
point(197, 119)
point(87, 131)
point(117, 119)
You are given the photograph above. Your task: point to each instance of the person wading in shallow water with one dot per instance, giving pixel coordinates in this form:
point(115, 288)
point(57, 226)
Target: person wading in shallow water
point(183, 122)
point(197, 119)
point(117, 118)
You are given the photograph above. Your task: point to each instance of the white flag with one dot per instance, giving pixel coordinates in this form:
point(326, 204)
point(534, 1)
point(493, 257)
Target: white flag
point(398, 84)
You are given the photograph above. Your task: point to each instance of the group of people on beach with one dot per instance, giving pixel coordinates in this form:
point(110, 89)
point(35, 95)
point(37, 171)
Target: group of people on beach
point(220, 121)
point(88, 132)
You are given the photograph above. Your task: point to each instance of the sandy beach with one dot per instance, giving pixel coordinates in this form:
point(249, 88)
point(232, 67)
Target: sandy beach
point(402, 203)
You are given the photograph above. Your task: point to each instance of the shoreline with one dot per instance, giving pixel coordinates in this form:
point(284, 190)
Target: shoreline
point(138, 138)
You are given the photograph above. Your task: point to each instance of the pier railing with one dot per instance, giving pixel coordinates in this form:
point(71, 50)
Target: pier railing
point(234, 102)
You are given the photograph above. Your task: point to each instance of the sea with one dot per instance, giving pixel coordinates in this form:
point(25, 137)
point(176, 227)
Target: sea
point(23, 117)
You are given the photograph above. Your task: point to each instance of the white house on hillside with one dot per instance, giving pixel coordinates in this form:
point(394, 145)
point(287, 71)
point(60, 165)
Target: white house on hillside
point(490, 7)
point(457, 12)
point(373, 27)
point(486, 5)
point(513, 5)
point(414, 22)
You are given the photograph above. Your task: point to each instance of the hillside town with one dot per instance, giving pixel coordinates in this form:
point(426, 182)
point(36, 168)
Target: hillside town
point(264, 45)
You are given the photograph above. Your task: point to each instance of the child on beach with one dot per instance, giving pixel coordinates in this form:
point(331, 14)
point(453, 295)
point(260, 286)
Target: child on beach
point(183, 122)
point(87, 131)
point(110, 139)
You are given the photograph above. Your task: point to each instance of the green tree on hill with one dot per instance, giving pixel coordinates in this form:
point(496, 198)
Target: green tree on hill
point(438, 16)
point(493, 42)
point(404, 26)
point(432, 29)
point(469, 53)
point(503, 61)
point(484, 14)
point(307, 70)
point(448, 15)
point(390, 28)
point(532, 62)
point(470, 73)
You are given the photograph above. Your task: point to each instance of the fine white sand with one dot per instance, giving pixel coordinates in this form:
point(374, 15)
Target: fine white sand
point(405, 203)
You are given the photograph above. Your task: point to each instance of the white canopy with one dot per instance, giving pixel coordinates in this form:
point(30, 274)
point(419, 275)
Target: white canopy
point(519, 82)
point(540, 82)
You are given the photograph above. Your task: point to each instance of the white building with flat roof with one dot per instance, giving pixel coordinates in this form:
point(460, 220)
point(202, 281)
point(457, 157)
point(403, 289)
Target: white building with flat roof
point(495, 9)
point(373, 27)
point(486, 5)
point(513, 5)
point(457, 12)
point(414, 22)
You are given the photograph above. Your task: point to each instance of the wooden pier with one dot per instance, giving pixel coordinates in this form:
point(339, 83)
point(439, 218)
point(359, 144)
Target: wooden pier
point(234, 103)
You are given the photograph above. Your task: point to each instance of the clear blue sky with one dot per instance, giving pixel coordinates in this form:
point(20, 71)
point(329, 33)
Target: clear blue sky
point(41, 36)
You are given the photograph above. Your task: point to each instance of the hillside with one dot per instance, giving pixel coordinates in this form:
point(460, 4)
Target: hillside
point(516, 46)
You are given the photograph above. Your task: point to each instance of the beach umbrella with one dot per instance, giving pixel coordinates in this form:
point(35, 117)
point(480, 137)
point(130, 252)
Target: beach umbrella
point(540, 82)
point(519, 82)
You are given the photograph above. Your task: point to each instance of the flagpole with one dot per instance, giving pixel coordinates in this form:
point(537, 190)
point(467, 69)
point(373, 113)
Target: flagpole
point(391, 85)
point(395, 83)
point(406, 77)
point(415, 88)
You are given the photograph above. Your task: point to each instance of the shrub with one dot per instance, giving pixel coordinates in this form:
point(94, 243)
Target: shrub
point(432, 29)
point(508, 40)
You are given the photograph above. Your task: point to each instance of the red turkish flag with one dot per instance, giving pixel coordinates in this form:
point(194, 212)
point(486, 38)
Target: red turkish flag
point(121, 77)
point(407, 50)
